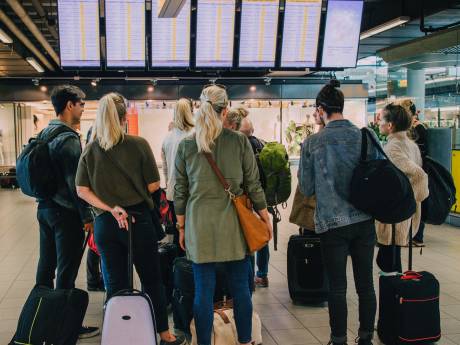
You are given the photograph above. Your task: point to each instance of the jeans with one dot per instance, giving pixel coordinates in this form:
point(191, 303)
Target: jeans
point(358, 241)
point(263, 256)
point(205, 281)
point(93, 270)
point(61, 246)
point(385, 259)
point(112, 243)
point(421, 230)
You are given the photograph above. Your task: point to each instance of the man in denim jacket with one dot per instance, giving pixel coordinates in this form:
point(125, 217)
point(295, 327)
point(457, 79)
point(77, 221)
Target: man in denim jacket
point(64, 217)
point(327, 162)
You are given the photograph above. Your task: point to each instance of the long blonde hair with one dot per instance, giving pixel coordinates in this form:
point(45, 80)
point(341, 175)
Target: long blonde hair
point(208, 125)
point(235, 117)
point(110, 114)
point(183, 115)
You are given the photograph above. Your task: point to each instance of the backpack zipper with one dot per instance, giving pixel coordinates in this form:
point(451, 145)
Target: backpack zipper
point(408, 300)
point(31, 326)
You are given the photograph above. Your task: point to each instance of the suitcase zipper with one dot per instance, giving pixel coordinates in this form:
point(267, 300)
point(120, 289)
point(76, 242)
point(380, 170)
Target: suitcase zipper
point(408, 300)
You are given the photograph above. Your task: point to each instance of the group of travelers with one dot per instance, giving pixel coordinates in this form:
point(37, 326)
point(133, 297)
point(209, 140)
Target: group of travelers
point(116, 173)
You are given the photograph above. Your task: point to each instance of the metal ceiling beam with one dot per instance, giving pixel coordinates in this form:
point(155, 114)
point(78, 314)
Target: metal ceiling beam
point(22, 14)
point(41, 12)
point(18, 33)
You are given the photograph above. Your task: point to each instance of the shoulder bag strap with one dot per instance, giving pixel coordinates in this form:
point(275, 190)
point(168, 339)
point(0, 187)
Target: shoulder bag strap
point(377, 145)
point(55, 134)
point(218, 173)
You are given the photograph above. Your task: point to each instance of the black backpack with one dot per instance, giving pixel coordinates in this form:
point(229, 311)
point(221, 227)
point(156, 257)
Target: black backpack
point(35, 172)
point(379, 188)
point(437, 206)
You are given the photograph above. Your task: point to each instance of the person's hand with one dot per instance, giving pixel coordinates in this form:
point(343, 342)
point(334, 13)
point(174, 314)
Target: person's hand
point(182, 239)
point(121, 216)
point(268, 223)
point(89, 227)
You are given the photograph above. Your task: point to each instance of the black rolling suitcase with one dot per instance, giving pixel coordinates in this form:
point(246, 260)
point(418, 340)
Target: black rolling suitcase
point(409, 307)
point(167, 253)
point(307, 280)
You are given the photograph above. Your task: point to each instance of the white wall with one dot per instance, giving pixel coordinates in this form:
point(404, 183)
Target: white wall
point(7, 140)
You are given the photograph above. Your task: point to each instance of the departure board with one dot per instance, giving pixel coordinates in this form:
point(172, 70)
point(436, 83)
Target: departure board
point(215, 29)
point(79, 33)
point(171, 38)
point(125, 32)
point(341, 38)
point(302, 20)
point(259, 28)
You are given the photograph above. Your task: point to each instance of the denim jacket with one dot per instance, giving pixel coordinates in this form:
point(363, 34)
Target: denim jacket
point(327, 161)
point(65, 151)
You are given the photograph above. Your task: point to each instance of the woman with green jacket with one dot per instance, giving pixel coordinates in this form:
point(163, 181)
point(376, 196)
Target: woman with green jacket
point(208, 224)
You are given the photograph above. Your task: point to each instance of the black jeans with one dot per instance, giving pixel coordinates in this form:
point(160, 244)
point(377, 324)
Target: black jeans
point(93, 270)
point(61, 246)
point(358, 241)
point(419, 235)
point(385, 258)
point(112, 243)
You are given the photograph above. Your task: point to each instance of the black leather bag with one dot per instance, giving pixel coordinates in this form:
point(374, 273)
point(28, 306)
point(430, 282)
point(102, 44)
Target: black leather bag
point(437, 206)
point(379, 188)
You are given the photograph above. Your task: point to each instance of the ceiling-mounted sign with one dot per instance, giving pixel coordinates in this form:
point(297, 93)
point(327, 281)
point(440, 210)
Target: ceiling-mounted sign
point(125, 33)
point(259, 28)
point(341, 38)
point(302, 19)
point(79, 33)
point(215, 31)
point(171, 38)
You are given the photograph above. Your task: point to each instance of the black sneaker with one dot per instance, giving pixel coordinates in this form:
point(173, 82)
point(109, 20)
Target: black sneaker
point(180, 340)
point(88, 332)
point(360, 341)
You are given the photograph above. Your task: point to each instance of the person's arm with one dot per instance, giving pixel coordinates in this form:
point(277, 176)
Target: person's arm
point(164, 165)
point(421, 139)
point(181, 192)
point(306, 173)
point(149, 168)
point(69, 155)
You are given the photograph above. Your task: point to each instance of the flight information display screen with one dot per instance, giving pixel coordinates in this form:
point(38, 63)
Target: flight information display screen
point(215, 31)
point(302, 20)
point(259, 28)
point(125, 33)
point(341, 38)
point(171, 38)
point(79, 33)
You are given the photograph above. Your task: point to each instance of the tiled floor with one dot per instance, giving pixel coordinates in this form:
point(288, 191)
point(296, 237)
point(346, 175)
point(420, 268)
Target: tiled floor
point(283, 322)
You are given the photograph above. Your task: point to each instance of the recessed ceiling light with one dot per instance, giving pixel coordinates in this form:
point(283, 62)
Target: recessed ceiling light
point(253, 88)
point(43, 88)
point(150, 88)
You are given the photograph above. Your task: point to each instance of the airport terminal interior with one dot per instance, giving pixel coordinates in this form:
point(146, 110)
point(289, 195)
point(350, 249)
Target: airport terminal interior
point(272, 58)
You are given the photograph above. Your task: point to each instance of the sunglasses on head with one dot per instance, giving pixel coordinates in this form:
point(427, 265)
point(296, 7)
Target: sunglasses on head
point(218, 85)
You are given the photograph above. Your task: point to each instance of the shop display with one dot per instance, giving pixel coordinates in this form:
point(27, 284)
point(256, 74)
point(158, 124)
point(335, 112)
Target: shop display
point(125, 33)
point(259, 27)
point(79, 33)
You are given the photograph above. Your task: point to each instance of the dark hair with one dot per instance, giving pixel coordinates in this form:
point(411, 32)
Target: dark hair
point(64, 93)
point(331, 98)
point(413, 108)
point(398, 116)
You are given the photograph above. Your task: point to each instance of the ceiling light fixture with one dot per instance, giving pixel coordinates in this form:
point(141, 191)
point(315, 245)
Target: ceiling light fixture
point(150, 88)
point(43, 88)
point(384, 27)
point(35, 64)
point(253, 88)
point(94, 82)
point(5, 38)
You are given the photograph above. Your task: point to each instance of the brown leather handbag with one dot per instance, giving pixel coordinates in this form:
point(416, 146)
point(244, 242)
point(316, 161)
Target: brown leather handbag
point(255, 230)
point(303, 211)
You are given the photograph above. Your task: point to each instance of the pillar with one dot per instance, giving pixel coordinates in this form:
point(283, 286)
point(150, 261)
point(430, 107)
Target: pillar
point(416, 89)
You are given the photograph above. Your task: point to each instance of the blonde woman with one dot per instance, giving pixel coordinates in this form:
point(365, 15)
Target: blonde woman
point(234, 118)
point(113, 193)
point(208, 225)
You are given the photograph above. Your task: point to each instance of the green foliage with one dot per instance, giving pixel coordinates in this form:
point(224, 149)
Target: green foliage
point(295, 135)
point(375, 127)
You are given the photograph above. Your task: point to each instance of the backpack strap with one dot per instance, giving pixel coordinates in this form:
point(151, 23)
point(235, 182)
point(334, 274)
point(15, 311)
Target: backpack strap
point(365, 132)
point(60, 130)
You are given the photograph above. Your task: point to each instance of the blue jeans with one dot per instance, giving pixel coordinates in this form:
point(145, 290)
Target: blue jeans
point(205, 281)
point(61, 246)
point(263, 256)
point(112, 243)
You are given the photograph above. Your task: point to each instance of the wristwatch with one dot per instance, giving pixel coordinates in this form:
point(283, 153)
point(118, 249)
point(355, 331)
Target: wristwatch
point(180, 226)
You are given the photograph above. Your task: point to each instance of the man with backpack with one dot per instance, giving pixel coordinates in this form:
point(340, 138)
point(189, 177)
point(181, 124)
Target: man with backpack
point(63, 216)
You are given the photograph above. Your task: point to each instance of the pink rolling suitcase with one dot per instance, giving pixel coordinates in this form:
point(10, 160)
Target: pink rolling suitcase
point(128, 316)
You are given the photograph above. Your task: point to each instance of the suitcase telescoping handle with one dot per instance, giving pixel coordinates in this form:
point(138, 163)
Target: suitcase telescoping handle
point(393, 242)
point(131, 215)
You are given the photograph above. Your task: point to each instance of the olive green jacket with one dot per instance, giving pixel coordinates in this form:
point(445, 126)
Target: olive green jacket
point(212, 229)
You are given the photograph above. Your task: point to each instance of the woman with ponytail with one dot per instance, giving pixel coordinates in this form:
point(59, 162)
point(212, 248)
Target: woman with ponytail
point(116, 175)
point(327, 162)
point(208, 225)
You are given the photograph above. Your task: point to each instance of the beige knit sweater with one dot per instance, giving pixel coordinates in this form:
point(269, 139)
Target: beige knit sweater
point(405, 154)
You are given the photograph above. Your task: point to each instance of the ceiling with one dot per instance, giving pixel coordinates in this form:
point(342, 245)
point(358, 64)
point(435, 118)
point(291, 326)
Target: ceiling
point(44, 15)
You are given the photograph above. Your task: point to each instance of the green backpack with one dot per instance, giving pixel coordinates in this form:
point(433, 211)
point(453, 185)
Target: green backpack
point(275, 164)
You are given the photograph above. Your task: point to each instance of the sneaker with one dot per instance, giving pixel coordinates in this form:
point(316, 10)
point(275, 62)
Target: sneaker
point(261, 282)
point(88, 332)
point(360, 341)
point(96, 288)
point(332, 343)
point(180, 340)
point(418, 244)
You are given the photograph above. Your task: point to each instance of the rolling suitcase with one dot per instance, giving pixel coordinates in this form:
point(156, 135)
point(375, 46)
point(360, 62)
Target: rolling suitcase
point(409, 306)
point(167, 252)
point(128, 315)
point(307, 280)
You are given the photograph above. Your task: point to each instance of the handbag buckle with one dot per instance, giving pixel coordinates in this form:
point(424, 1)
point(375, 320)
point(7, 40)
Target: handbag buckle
point(230, 194)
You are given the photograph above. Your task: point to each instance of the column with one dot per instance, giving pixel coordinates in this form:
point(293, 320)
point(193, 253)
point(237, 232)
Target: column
point(416, 88)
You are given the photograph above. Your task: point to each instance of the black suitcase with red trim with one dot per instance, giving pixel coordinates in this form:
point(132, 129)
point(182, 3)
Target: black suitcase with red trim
point(409, 307)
